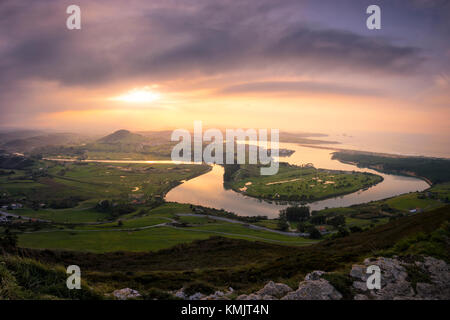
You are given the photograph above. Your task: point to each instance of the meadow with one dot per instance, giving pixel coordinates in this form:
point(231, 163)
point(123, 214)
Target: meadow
point(144, 232)
point(296, 183)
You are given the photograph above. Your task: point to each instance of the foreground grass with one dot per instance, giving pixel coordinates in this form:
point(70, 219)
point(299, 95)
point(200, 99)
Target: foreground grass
point(247, 265)
point(22, 278)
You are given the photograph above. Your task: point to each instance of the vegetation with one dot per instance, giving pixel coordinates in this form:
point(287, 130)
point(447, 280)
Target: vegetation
point(217, 263)
point(294, 183)
point(70, 192)
point(22, 278)
point(433, 170)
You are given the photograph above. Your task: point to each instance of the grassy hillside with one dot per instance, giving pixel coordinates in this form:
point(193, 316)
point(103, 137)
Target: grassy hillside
point(247, 265)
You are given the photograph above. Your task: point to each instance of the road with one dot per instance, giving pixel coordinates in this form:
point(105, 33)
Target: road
point(251, 226)
point(6, 214)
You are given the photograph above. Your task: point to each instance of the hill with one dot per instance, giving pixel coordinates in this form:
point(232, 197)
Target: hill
point(123, 137)
point(244, 265)
point(31, 143)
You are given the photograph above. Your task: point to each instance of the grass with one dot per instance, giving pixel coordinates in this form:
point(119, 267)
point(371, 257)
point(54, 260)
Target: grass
point(92, 182)
point(411, 201)
point(107, 241)
point(94, 239)
point(99, 180)
point(300, 183)
point(22, 278)
point(79, 214)
point(248, 265)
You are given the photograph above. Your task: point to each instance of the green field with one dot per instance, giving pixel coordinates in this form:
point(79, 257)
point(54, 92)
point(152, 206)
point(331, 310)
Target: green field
point(52, 185)
point(300, 183)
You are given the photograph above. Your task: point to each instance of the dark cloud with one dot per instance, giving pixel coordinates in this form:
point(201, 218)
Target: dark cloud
point(180, 38)
point(298, 87)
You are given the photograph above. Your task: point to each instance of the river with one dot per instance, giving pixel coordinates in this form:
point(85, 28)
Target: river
point(207, 190)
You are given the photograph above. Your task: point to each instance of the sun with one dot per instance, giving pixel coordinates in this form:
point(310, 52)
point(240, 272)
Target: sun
point(139, 95)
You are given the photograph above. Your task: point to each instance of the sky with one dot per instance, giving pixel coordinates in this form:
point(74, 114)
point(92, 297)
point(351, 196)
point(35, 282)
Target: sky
point(310, 66)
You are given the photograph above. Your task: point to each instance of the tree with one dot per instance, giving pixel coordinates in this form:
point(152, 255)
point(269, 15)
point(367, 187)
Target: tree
point(354, 229)
point(9, 240)
point(103, 206)
point(282, 224)
point(318, 219)
point(301, 227)
point(343, 232)
point(336, 221)
point(296, 213)
point(314, 233)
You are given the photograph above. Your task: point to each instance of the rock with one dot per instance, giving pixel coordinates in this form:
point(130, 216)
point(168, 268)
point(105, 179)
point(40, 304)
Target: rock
point(220, 295)
point(126, 293)
point(314, 290)
point(276, 290)
point(432, 291)
point(360, 297)
point(196, 296)
point(180, 294)
point(251, 296)
point(315, 275)
point(359, 272)
point(359, 285)
point(395, 281)
point(392, 290)
point(438, 269)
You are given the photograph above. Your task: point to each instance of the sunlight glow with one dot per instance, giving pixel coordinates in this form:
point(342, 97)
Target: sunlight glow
point(139, 95)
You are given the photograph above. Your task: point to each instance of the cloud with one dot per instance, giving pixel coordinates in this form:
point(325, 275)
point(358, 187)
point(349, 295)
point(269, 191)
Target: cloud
point(253, 43)
point(172, 39)
point(298, 87)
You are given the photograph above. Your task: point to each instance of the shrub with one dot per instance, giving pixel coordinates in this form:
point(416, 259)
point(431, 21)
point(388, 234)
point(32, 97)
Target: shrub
point(198, 286)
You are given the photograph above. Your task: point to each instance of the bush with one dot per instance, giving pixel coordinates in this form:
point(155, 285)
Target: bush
point(314, 233)
point(354, 229)
point(282, 224)
point(201, 287)
point(157, 294)
point(336, 221)
point(296, 213)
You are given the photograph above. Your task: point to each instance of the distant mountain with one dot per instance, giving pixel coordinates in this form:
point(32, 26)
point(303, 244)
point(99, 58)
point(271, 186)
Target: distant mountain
point(30, 143)
point(9, 135)
point(123, 137)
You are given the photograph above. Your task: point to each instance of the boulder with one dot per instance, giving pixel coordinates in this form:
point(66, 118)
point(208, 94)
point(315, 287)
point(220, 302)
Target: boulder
point(314, 290)
point(395, 280)
point(276, 290)
point(126, 293)
point(196, 296)
point(253, 296)
point(315, 275)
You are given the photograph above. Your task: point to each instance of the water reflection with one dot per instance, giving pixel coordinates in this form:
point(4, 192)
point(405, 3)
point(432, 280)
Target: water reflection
point(207, 190)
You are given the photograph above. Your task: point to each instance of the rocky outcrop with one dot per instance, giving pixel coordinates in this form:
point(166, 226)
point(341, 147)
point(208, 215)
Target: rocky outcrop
point(312, 288)
point(126, 294)
point(270, 291)
point(420, 278)
point(218, 295)
point(319, 289)
point(401, 279)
